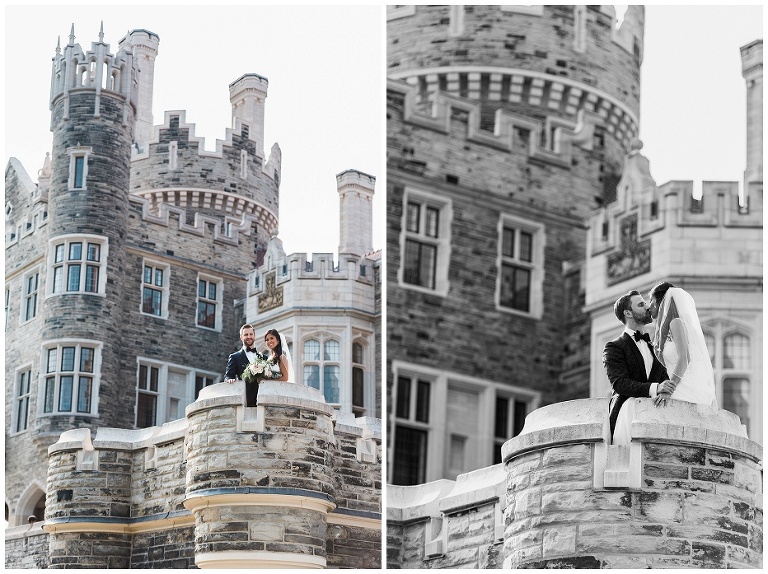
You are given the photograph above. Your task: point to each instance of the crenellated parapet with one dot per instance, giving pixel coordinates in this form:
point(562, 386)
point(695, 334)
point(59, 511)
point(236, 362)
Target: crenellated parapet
point(551, 140)
point(686, 493)
point(278, 485)
point(176, 160)
point(225, 230)
point(96, 69)
point(671, 231)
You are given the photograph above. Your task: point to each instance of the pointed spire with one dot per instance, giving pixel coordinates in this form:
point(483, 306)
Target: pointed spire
point(58, 45)
point(72, 36)
point(101, 32)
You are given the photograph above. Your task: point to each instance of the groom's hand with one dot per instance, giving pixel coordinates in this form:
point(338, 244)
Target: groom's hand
point(667, 387)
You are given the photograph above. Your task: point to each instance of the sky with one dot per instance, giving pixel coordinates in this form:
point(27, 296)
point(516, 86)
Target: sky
point(324, 105)
point(693, 96)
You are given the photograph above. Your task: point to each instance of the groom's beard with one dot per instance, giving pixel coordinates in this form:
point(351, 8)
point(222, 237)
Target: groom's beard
point(642, 319)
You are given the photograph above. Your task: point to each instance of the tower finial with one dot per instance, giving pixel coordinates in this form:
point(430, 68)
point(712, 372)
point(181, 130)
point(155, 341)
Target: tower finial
point(58, 45)
point(101, 32)
point(72, 35)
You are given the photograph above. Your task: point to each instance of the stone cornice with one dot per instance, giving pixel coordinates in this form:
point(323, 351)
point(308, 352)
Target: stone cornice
point(546, 91)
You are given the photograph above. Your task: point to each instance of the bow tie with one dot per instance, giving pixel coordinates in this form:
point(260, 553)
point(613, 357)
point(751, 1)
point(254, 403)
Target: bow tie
point(251, 350)
point(644, 336)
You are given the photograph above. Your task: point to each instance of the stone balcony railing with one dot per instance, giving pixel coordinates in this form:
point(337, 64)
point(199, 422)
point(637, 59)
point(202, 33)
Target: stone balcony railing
point(687, 493)
point(283, 484)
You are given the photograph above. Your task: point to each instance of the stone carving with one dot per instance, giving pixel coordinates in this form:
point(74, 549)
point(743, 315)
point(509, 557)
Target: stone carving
point(272, 296)
point(633, 257)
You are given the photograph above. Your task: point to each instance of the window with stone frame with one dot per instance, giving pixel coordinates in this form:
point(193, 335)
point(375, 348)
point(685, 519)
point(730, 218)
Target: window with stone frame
point(321, 362)
point(425, 242)
point(30, 287)
point(164, 390)
point(155, 288)
point(508, 420)
point(77, 264)
point(731, 355)
point(358, 380)
point(202, 381)
point(411, 429)
point(209, 301)
point(71, 377)
point(20, 415)
point(521, 266)
point(78, 167)
point(148, 391)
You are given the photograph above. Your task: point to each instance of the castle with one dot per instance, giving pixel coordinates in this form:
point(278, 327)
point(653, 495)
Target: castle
point(133, 261)
point(521, 207)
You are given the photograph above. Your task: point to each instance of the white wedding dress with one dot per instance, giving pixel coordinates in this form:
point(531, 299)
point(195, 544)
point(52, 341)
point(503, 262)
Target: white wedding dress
point(697, 384)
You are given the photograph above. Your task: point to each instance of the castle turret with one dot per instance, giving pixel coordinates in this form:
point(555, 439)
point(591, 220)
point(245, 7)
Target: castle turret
point(248, 94)
point(92, 119)
point(752, 70)
point(356, 205)
point(143, 44)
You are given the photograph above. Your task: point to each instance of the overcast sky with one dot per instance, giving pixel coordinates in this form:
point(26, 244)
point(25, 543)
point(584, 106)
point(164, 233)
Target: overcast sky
point(693, 96)
point(324, 106)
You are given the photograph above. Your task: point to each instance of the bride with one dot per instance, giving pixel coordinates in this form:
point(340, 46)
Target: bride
point(680, 346)
point(281, 355)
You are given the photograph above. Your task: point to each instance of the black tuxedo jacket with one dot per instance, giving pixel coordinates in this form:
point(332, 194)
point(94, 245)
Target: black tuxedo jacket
point(236, 364)
point(625, 367)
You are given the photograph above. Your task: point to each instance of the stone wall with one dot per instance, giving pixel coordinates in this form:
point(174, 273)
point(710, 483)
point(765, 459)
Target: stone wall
point(687, 493)
point(277, 485)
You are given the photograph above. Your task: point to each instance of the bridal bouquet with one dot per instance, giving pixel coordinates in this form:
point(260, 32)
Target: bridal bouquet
point(260, 368)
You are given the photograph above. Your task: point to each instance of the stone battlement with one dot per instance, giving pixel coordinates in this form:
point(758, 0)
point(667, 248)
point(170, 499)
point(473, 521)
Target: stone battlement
point(278, 485)
point(176, 119)
point(681, 231)
point(226, 229)
point(510, 131)
point(686, 493)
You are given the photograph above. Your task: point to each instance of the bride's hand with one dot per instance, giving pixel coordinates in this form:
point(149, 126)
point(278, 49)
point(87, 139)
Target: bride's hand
point(661, 399)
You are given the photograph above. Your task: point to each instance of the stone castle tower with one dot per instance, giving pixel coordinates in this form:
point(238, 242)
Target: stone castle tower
point(503, 136)
point(133, 234)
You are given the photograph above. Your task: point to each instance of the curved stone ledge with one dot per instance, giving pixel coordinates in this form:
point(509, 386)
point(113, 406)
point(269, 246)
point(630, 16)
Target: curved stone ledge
point(259, 496)
point(256, 558)
point(586, 420)
point(270, 393)
point(280, 393)
point(581, 420)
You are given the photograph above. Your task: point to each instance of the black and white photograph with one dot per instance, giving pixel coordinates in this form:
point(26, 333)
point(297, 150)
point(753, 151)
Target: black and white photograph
point(574, 286)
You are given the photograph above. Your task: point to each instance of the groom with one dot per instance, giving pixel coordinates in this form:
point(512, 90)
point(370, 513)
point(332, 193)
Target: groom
point(632, 368)
point(238, 361)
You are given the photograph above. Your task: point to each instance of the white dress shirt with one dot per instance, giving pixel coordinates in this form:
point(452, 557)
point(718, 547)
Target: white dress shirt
point(647, 354)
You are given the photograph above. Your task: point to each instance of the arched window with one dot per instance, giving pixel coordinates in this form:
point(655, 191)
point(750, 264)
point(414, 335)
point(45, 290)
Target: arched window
point(322, 369)
point(31, 503)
